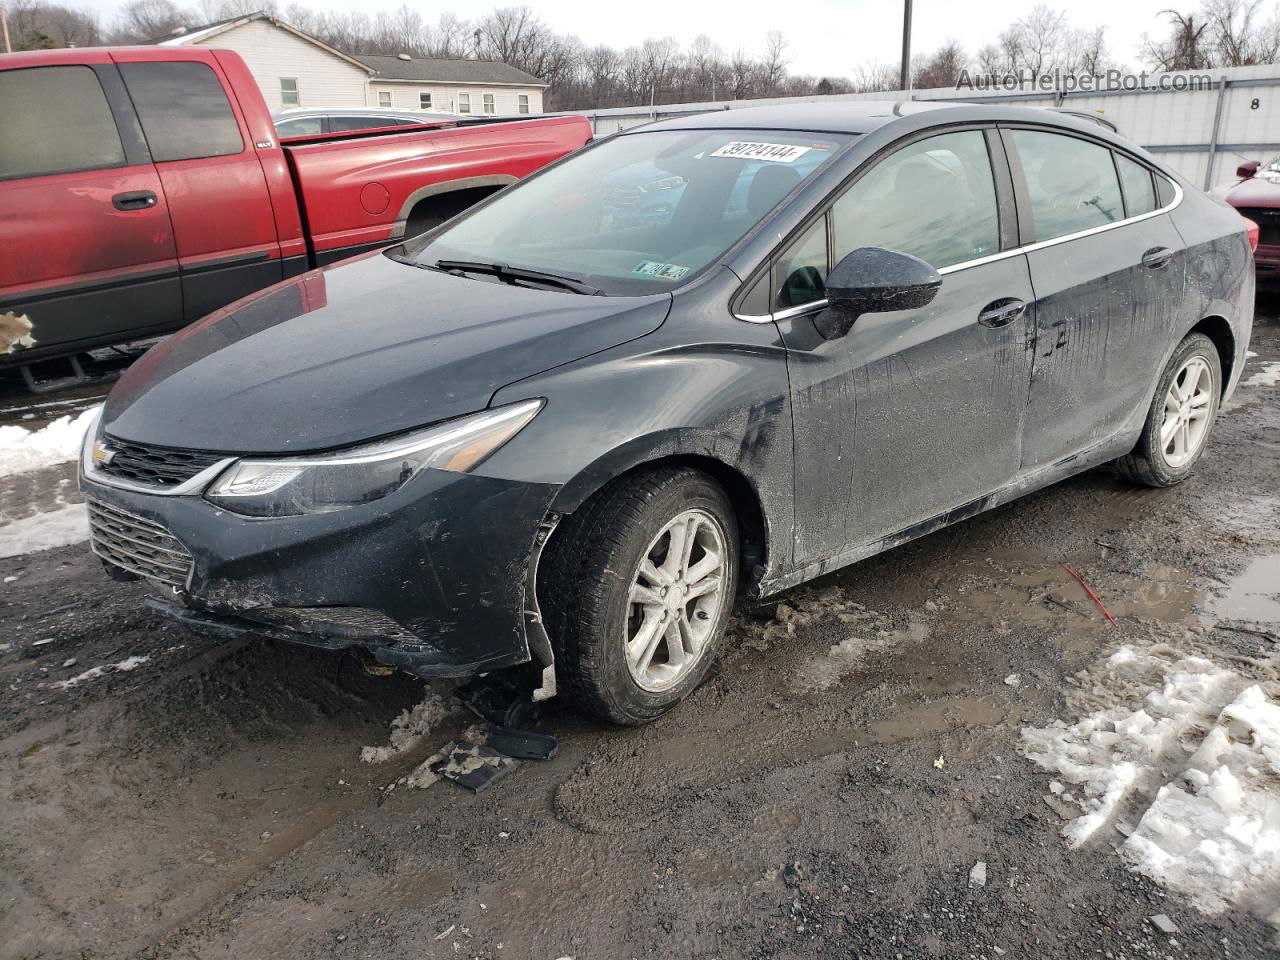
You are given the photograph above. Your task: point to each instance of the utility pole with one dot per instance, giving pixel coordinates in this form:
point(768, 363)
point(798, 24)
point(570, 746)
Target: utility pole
point(906, 46)
point(4, 23)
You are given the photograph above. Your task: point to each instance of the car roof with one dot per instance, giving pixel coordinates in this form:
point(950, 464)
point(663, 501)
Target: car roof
point(355, 112)
point(864, 116)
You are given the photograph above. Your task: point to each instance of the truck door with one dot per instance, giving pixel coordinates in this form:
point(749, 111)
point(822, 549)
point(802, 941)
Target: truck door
point(87, 251)
point(217, 192)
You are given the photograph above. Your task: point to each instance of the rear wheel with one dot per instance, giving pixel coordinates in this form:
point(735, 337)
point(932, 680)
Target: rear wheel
point(641, 585)
point(1180, 418)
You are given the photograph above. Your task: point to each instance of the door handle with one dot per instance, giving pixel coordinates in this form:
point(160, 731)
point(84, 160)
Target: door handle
point(1002, 312)
point(134, 200)
point(1157, 257)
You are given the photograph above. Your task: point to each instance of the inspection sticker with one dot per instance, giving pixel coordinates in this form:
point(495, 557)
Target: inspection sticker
point(664, 271)
point(774, 152)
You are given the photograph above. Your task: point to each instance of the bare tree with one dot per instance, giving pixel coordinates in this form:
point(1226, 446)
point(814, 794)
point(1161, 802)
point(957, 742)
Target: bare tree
point(941, 68)
point(773, 68)
point(142, 20)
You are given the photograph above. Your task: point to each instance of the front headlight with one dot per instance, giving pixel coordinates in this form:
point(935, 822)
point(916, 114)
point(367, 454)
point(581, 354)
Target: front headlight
point(343, 478)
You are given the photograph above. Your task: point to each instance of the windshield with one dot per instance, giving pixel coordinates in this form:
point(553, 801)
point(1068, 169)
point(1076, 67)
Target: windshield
point(639, 213)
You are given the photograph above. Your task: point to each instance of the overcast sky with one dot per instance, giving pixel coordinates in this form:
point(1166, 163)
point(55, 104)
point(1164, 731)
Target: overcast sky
point(824, 36)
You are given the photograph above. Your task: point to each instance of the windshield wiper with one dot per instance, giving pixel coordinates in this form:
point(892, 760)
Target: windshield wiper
point(512, 274)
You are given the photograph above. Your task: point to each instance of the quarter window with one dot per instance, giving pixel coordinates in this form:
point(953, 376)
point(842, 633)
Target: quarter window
point(524, 103)
point(424, 101)
point(289, 92)
point(802, 270)
point(1071, 182)
point(934, 199)
point(183, 110)
point(1139, 192)
point(55, 120)
point(488, 103)
point(464, 103)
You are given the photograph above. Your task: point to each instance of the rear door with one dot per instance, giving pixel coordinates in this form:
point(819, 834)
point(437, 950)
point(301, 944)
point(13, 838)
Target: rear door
point(217, 191)
point(87, 250)
point(1108, 283)
point(915, 413)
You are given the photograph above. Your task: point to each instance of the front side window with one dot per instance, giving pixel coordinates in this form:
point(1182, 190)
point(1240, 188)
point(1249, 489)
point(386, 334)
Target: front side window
point(1139, 191)
point(424, 101)
point(1071, 183)
point(55, 120)
point(300, 127)
point(183, 109)
point(934, 199)
point(801, 272)
point(488, 103)
point(289, 92)
point(384, 98)
point(464, 103)
point(638, 213)
point(347, 124)
point(524, 103)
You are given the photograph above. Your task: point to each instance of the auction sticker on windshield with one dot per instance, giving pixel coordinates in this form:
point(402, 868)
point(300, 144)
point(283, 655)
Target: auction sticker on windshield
point(665, 271)
point(750, 150)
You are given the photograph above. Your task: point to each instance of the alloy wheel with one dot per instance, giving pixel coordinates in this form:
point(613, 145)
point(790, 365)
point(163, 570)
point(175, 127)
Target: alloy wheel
point(1187, 408)
point(675, 600)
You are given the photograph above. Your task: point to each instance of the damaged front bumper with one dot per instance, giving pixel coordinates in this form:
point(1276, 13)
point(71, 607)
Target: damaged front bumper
point(436, 579)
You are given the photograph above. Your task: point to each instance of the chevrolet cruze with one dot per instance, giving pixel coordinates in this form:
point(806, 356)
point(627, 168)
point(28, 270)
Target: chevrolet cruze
point(546, 438)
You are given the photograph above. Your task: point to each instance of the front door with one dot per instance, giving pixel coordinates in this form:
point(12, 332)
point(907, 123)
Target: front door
point(87, 251)
point(915, 415)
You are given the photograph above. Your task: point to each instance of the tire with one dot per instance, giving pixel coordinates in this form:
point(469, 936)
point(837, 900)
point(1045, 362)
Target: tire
point(595, 574)
point(1154, 464)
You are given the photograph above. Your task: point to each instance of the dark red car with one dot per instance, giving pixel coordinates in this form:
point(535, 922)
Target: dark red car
point(144, 187)
point(1256, 194)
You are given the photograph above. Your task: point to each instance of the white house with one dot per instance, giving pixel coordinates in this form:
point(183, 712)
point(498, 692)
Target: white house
point(297, 70)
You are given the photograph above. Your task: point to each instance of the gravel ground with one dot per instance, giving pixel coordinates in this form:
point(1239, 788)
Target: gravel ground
point(211, 801)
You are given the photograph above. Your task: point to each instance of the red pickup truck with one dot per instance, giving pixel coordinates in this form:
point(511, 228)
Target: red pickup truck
point(142, 188)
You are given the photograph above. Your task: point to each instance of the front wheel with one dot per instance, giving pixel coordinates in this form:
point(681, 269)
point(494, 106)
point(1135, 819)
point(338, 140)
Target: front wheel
point(641, 585)
point(1180, 418)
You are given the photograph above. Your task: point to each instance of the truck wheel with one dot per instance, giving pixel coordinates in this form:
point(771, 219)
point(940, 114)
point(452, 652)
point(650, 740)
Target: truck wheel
point(642, 584)
point(1180, 418)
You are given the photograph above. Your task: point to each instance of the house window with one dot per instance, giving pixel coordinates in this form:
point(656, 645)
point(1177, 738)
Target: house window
point(424, 101)
point(524, 103)
point(464, 103)
point(289, 92)
point(488, 103)
point(384, 98)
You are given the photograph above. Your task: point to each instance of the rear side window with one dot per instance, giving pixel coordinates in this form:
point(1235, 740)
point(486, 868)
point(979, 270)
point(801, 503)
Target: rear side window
point(55, 120)
point(183, 109)
point(1139, 192)
point(1164, 189)
point(934, 199)
point(1071, 182)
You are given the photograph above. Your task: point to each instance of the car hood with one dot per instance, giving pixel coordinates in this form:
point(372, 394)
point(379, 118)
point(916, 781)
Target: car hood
point(1259, 191)
point(362, 349)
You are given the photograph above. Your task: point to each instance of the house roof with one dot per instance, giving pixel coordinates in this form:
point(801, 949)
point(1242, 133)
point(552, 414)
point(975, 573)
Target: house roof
point(426, 70)
point(208, 31)
point(417, 69)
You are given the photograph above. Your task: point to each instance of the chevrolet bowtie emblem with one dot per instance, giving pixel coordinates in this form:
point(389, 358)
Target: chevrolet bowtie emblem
point(101, 454)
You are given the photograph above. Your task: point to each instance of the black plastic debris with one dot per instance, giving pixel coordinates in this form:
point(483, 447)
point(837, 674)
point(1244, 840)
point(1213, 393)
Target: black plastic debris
point(508, 707)
point(523, 744)
point(471, 765)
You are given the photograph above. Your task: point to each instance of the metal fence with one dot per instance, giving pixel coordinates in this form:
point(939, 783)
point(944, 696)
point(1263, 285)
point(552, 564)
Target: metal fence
point(1203, 133)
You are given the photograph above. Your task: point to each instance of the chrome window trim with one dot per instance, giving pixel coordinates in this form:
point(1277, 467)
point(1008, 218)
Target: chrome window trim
point(1178, 194)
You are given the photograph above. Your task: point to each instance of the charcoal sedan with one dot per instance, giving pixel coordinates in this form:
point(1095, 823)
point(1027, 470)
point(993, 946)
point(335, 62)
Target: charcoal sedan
point(545, 438)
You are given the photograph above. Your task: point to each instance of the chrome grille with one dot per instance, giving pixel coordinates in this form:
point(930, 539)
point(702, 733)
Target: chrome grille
point(157, 467)
point(138, 545)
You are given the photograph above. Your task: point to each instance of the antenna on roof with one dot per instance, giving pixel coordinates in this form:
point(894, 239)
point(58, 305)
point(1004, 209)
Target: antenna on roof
point(403, 56)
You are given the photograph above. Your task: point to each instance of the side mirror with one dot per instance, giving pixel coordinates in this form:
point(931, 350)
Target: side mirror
point(1247, 170)
point(874, 280)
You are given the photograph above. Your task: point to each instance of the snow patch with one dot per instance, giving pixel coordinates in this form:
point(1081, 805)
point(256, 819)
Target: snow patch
point(408, 729)
point(1201, 753)
point(124, 666)
point(66, 524)
point(1268, 376)
point(23, 450)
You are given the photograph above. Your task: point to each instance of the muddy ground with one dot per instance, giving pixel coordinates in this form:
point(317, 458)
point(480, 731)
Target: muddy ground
point(212, 801)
